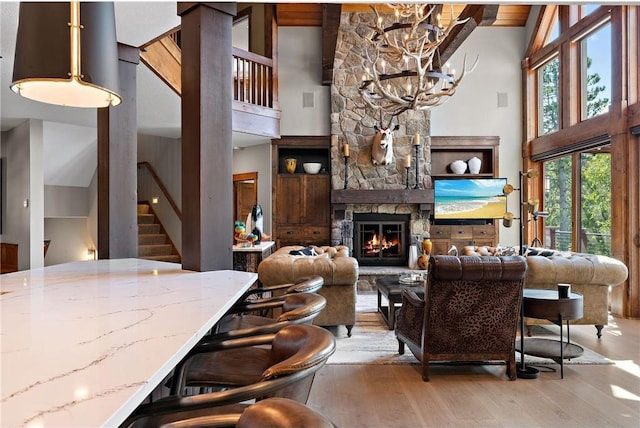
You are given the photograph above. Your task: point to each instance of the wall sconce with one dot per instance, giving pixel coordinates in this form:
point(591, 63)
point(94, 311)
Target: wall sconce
point(92, 254)
point(154, 200)
point(67, 54)
point(507, 219)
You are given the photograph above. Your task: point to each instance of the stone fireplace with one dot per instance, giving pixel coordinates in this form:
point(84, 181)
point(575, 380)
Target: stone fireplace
point(381, 239)
point(373, 189)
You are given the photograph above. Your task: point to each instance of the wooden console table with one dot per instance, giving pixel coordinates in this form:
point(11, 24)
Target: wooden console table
point(247, 259)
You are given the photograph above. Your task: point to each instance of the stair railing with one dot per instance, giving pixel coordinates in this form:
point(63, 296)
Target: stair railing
point(151, 189)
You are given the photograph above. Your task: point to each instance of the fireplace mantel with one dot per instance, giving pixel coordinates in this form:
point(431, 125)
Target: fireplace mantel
point(382, 196)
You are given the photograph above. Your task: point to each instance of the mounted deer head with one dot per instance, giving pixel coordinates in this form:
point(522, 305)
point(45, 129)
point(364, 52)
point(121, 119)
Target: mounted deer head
point(382, 150)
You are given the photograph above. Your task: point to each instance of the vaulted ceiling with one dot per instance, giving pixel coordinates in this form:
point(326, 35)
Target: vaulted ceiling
point(310, 14)
point(327, 16)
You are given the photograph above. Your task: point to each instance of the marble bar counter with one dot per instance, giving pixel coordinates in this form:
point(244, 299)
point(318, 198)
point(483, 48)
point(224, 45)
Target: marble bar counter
point(82, 344)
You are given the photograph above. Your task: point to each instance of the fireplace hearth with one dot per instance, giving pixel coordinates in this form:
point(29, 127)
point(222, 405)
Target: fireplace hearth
point(381, 239)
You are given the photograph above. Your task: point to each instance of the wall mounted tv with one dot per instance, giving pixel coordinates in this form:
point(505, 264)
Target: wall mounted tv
point(478, 198)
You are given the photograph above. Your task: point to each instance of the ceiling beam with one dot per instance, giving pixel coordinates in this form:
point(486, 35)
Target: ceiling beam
point(479, 15)
point(330, 25)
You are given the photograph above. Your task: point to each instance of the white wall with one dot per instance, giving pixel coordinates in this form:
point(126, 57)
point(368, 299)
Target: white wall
point(300, 72)
point(70, 240)
point(66, 201)
point(474, 110)
point(22, 148)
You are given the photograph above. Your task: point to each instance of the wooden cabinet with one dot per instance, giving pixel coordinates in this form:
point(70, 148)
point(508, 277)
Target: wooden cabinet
point(301, 202)
point(445, 150)
point(9, 258)
point(444, 236)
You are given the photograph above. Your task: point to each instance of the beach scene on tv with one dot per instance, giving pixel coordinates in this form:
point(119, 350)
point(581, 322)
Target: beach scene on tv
point(470, 198)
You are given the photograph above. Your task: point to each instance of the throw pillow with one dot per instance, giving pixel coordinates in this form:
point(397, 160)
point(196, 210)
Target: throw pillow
point(308, 251)
point(532, 251)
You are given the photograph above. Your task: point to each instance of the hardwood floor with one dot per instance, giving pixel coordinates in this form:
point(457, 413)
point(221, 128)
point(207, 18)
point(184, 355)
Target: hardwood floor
point(472, 396)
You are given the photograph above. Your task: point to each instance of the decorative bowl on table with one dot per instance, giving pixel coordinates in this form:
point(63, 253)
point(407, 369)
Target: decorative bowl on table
point(412, 278)
point(312, 167)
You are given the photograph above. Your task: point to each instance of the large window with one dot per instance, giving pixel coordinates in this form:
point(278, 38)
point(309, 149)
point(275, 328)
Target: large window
point(558, 203)
point(594, 202)
point(595, 72)
point(548, 97)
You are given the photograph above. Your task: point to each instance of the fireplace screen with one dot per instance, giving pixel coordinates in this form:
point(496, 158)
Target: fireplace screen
point(380, 242)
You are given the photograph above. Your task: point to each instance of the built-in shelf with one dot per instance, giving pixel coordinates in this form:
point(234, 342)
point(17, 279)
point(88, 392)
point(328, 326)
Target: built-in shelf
point(382, 196)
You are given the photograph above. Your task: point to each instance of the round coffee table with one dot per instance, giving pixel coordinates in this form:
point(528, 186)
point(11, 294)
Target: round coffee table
point(545, 304)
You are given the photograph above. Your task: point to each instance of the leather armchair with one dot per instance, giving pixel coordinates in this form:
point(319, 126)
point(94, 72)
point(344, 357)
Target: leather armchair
point(297, 308)
point(253, 372)
point(306, 284)
point(272, 413)
point(470, 311)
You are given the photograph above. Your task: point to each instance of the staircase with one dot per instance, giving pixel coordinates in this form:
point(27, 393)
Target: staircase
point(153, 242)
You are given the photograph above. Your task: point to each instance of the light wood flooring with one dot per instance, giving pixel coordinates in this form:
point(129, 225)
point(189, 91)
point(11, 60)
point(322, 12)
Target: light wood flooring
point(482, 396)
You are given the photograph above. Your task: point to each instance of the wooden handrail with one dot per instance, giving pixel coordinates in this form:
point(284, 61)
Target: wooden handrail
point(166, 194)
point(252, 78)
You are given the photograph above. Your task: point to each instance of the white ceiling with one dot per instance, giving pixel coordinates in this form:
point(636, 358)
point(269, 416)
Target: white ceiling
point(69, 133)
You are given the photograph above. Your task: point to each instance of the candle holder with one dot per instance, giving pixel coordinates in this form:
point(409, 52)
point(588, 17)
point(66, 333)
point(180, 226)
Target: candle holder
point(417, 186)
point(407, 176)
point(346, 171)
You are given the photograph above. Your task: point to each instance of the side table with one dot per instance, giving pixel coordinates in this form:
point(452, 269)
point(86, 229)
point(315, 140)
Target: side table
point(391, 288)
point(247, 259)
point(545, 304)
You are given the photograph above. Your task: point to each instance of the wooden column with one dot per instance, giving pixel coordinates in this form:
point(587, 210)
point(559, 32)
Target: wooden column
point(207, 226)
point(117, 176)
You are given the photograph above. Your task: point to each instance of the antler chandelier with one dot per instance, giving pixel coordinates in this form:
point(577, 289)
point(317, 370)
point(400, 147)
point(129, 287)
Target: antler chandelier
point(403, 68)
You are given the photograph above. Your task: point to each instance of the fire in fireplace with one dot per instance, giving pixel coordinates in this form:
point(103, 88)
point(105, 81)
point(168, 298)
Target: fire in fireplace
point(381, 239)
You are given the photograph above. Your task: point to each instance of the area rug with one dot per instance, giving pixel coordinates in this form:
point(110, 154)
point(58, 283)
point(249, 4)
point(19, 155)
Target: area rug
point(372, 342)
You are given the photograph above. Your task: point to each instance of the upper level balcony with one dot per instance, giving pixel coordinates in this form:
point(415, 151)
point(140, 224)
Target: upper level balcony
point(255, 91)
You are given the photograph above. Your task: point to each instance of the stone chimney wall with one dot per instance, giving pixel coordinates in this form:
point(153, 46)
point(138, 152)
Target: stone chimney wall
point(353, 121)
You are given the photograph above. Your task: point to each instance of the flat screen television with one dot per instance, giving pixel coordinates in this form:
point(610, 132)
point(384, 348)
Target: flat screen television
point(477, 198)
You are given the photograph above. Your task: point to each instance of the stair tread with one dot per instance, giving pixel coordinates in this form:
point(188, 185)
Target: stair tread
point(170, 258)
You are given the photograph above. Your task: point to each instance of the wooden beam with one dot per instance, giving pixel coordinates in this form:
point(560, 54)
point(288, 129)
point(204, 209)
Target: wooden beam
point(478, 15)
point(400, 196)
point(330, 25)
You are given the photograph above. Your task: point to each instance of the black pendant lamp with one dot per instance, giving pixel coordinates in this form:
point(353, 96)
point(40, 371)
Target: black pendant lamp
point(67, 54)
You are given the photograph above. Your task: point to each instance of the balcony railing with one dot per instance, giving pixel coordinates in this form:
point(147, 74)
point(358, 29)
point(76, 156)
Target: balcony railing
point(253, 75)
point(252, 78)
point(590, 242)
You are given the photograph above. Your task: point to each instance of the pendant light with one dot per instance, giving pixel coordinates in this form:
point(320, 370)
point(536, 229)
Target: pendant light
point(66, 54)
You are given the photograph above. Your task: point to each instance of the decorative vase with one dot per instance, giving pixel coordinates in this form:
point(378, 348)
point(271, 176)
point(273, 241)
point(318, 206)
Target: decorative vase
point(474, 165)
point(458, 167)
point(290, 165)
point(426, 246)
point(423, 261)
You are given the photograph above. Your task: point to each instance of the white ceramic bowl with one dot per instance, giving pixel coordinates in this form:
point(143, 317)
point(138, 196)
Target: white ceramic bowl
point(311, 167)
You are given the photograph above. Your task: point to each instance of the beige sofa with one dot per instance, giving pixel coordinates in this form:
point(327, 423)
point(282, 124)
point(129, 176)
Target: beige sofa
point(589, 274)
point(337, 268)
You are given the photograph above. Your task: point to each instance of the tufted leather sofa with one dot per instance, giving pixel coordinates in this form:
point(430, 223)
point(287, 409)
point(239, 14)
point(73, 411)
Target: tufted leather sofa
point(589, 274)
point(337, 268)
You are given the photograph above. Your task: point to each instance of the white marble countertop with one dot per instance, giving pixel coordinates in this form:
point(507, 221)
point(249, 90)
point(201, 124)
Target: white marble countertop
point(83, 343)
point(258, 248)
